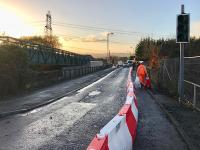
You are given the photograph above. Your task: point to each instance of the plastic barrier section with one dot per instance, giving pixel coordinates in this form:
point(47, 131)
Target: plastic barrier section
point(99, 143)
point(120, 132)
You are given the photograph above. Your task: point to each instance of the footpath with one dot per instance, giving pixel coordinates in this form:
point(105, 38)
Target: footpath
point(44, 96)
point(155, 131)
point(185, 119)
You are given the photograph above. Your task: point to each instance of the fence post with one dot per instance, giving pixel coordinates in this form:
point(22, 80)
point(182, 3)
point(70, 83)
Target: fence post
point(195, 96)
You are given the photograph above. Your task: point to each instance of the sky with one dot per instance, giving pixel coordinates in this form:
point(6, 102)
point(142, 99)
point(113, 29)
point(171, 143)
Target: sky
point(82, 25)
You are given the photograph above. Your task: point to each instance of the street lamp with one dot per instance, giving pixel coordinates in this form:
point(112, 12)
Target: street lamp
point(108, 51)
point(131, 49)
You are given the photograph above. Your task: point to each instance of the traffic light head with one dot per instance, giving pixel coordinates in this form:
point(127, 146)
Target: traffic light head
point(182, 35)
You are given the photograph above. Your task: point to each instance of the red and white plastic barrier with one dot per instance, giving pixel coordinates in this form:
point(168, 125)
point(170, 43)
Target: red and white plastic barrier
point(120, 132)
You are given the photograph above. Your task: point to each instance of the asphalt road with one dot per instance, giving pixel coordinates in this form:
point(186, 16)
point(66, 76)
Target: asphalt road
point(46, 95)
point(69, 123)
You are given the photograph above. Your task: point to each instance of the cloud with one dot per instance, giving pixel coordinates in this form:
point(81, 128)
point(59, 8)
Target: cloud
point(93, 38)
point(195, 29)
point(69, 38)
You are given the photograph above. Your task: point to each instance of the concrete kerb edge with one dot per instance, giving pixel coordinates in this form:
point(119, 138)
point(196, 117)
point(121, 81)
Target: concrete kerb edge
point(175, 123)
point(197, 109)
point(6, 114)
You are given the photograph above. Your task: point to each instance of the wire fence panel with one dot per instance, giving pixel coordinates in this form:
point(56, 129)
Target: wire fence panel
point(198, 98)
point(167, 77)
point(192, 69)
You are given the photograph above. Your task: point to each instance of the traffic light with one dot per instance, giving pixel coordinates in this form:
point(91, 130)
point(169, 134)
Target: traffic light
point(183, 28)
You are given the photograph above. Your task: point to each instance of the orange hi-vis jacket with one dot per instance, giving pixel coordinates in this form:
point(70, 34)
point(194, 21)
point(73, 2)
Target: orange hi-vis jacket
point(142, 73)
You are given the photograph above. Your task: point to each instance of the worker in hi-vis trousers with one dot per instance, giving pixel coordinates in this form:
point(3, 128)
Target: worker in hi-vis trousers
point(142, 73)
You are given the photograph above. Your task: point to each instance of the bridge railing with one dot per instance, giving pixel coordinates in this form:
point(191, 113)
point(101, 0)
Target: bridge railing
point(196, 87)
point(74, 72)
point(42, 54)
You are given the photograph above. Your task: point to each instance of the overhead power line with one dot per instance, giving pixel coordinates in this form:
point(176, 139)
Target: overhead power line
point(99, 29)
point(95, 28)
point(36, 22)
point(78, 37)
point(80, 48)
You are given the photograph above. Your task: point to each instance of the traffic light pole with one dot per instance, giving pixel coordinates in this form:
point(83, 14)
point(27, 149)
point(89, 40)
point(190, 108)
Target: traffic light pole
point(181, 72)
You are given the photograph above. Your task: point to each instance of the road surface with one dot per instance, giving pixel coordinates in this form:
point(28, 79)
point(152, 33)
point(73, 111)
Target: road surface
point(69, 123)
point(46, 95)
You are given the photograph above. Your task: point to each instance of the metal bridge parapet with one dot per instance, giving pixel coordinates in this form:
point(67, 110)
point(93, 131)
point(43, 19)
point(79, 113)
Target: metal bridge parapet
point(42, 54)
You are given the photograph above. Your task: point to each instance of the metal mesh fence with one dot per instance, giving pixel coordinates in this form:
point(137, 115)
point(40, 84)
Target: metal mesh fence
point(192, 69)
point(198, 98)
point(192, 80)
point(166, 78)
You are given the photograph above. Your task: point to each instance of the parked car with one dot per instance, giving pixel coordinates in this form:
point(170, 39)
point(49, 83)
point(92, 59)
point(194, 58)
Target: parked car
point(130, 63)
point(119, 63)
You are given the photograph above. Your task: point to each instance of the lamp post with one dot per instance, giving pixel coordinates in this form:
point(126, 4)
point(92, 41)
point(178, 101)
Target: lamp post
point(108, 51)
point(132, 49)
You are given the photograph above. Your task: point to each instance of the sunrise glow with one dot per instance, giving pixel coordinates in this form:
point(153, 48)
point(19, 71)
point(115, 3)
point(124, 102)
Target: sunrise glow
point(85, 31)
point(13, 24)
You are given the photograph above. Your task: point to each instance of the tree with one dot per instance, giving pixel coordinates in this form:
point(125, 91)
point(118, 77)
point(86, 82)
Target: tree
point(51, 41)
point(148, 49)
point(153, 50)
point(143, 48)
point(14, 69)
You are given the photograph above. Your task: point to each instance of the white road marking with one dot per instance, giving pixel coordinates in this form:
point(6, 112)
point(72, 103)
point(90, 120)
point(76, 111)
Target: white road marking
point(30, 112)
point(89, 86)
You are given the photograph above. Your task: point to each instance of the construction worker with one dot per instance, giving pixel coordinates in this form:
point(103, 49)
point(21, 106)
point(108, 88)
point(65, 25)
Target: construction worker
point(142, 73)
